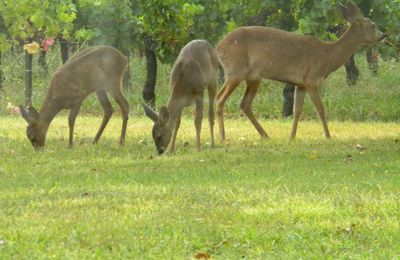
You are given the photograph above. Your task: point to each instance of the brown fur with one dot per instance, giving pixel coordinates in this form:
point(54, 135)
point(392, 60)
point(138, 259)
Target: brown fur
point(254, 53)
point(195, 70)
point(97, 69)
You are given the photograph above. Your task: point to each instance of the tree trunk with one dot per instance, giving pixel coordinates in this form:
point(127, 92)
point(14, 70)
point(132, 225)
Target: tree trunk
point(127, 82)
point(352, 72)
point(288, 100)
point(64, 50)
point(1, 74)
point(42, 60)
point(28, 78)
point(151, 68)
point(372, 59)
point(2, 30)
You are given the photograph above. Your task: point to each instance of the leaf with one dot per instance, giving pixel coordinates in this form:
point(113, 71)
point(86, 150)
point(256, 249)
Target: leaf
point(46, 43)
point(230, 26)
point(349, 158)
point(32, 48)
point(202, 256)
point(359, 147)
point(314, 155)
point(38, 20)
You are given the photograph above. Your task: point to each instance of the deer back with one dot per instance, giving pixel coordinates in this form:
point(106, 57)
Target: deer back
point(256, 52)
point(195, 68)
point(89, 70)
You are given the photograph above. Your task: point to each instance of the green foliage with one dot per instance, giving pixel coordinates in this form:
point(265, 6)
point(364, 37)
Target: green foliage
point(106, 22)
point(317, 18)
point(171, 24)
point(33, 19)
point(386, 14)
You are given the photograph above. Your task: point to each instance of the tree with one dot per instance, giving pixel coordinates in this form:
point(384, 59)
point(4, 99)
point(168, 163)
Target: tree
point(166, 26)
point(108, 23)
point(29, 22)
point(3, 47)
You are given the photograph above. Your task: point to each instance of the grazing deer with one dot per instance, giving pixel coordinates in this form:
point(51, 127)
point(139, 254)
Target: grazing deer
point(97, 69)
point(255, 52)
point(195, 69)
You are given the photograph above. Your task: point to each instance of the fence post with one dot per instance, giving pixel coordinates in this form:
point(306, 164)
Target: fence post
point(28, 78)
point(1, 74)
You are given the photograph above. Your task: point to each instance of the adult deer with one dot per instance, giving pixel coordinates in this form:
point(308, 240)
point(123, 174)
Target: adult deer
point(253, 53)
point(97, 69)
point(195, 70)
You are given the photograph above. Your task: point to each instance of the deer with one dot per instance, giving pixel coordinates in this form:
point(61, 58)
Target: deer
point(98, 69)
point(195, 69)
point(253, 53)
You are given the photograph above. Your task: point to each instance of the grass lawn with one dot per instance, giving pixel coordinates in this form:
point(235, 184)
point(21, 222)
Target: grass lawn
point(247, 198)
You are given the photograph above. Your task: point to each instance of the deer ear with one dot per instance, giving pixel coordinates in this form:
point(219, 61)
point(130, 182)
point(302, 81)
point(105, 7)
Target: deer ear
point(351, 12)
point(164, 115)
point(344, 12)
point(354, 11)
point(150, 113)
point(29, 114)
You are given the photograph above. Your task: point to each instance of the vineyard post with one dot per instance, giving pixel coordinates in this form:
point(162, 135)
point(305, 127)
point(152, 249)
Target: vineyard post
point(151, 68)
point(64, 49)
point(28, 78)
point(1, 74)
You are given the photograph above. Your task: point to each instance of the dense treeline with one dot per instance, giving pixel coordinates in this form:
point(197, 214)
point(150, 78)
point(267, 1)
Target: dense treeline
point(159, 28)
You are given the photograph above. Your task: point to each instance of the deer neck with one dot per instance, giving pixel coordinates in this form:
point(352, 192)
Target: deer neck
point(47, 113)
point(345, 47)
point(175, 108)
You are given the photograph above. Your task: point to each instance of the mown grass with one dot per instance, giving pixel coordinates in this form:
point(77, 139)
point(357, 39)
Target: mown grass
point(250, 198)
point(247, 198)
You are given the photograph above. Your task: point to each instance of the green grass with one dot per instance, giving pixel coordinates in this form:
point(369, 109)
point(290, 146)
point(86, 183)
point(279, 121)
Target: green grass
point(247, 198)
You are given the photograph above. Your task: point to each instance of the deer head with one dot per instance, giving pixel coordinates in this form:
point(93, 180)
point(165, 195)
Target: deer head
point(162, 131)
point(364, 27)
point(36, 134)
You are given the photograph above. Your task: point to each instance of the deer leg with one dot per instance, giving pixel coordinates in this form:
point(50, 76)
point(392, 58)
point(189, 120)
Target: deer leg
point(71, 122)
point(108, 110)
point(123, 104)
point(251, 91)
point(299, 94)
point(174, 134)
point(229, 86)
point(316, 99)
point(198, 120)
point(211, 103)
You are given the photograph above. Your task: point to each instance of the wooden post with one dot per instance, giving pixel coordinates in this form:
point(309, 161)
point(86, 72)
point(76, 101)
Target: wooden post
point(64, 50)
point(42, 60)
point(151, 68)
point(28, 78)
point(1, 74)
point(288, 100)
